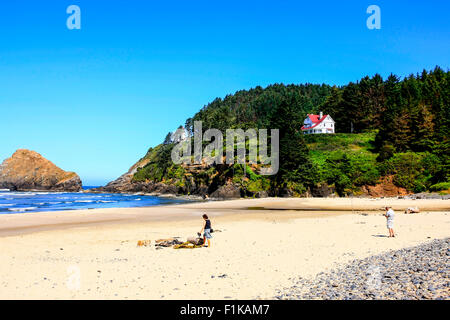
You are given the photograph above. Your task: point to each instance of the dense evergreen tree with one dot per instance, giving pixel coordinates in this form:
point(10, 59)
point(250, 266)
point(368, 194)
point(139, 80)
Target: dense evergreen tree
point(254, 108)
point(295, 164)
point(409, 118)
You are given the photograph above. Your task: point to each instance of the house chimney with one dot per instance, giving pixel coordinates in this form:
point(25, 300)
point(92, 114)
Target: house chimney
point(321, 115)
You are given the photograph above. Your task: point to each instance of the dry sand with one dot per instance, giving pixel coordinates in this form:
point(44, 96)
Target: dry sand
point(263, 244)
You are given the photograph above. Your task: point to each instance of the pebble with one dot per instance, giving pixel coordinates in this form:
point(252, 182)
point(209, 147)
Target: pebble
point(421, 272)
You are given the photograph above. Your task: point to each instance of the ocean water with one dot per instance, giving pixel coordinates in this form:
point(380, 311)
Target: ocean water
point(19, 202)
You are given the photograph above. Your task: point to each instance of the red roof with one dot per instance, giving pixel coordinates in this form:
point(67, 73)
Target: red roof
point(315, 120)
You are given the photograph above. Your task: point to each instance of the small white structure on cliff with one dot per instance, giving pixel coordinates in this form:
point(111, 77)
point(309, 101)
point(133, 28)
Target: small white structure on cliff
point(182, 135)
point(317, 124)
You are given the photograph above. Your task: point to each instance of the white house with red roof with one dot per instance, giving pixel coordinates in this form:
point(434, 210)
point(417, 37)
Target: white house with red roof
point(317, 124)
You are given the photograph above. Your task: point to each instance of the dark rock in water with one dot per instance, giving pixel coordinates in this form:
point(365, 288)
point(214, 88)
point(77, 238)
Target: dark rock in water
point(28, 170)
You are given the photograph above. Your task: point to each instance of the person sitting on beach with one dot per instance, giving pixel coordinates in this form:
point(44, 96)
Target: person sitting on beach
point(390, 221)
point(412, 210)
point(206, 231)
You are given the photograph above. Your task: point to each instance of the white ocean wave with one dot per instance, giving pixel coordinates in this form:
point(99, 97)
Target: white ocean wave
point(50, 192)
point(22, 209)
point(18, 202)
point(21, 194)
point(44, 203)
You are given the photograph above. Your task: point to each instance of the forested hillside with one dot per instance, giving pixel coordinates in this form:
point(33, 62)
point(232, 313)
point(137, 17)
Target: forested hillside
point(412, 118)
point(392, 137)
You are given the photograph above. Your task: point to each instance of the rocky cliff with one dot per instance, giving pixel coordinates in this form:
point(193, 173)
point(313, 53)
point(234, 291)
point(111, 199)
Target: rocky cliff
point(124, 183)
point(28, 170)
point(192, 180)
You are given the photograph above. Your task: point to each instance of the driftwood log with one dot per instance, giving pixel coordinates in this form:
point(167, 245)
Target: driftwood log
point(195, 240)
point(167, 242)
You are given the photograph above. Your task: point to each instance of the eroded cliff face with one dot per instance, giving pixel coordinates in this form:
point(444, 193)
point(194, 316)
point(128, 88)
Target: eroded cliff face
point(28, 170)
point(125, 184)
point(384, 188)
point(220, 186)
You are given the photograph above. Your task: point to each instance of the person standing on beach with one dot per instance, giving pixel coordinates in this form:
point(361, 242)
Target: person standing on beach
point(206, 231)
point(390, 221)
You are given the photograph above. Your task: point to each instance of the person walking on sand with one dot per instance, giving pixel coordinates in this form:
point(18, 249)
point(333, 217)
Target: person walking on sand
point(206, 230)
point(390, 221)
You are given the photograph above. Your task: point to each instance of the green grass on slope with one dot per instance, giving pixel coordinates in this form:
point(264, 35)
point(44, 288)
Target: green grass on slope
point(321, 146)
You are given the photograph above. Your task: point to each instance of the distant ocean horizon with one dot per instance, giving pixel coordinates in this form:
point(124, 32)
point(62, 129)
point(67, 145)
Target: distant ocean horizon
point(90, 187)
point(33, 201)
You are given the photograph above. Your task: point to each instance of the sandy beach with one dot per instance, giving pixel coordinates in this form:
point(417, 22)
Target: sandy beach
point(262, 246)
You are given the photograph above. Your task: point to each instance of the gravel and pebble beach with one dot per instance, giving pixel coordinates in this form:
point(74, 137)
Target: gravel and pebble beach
point(421, 272)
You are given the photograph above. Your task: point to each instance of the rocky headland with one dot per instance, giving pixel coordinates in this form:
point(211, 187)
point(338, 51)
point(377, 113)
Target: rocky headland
point(28, 170)
point(199, 182)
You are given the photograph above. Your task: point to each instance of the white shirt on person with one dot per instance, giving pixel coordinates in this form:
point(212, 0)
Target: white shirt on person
point(390, 215)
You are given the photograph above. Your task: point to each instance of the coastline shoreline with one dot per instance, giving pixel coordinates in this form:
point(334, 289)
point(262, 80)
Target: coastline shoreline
point(278, 246)
point(291, 208)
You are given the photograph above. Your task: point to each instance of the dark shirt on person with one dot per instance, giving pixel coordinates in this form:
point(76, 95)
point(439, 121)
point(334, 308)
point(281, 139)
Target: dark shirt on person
point(208, 224)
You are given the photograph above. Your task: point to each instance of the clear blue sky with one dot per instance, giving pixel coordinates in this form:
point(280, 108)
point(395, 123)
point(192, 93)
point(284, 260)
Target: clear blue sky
point(94, 100)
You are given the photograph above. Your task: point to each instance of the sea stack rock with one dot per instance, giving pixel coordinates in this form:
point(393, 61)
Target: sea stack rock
point(28, 170)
